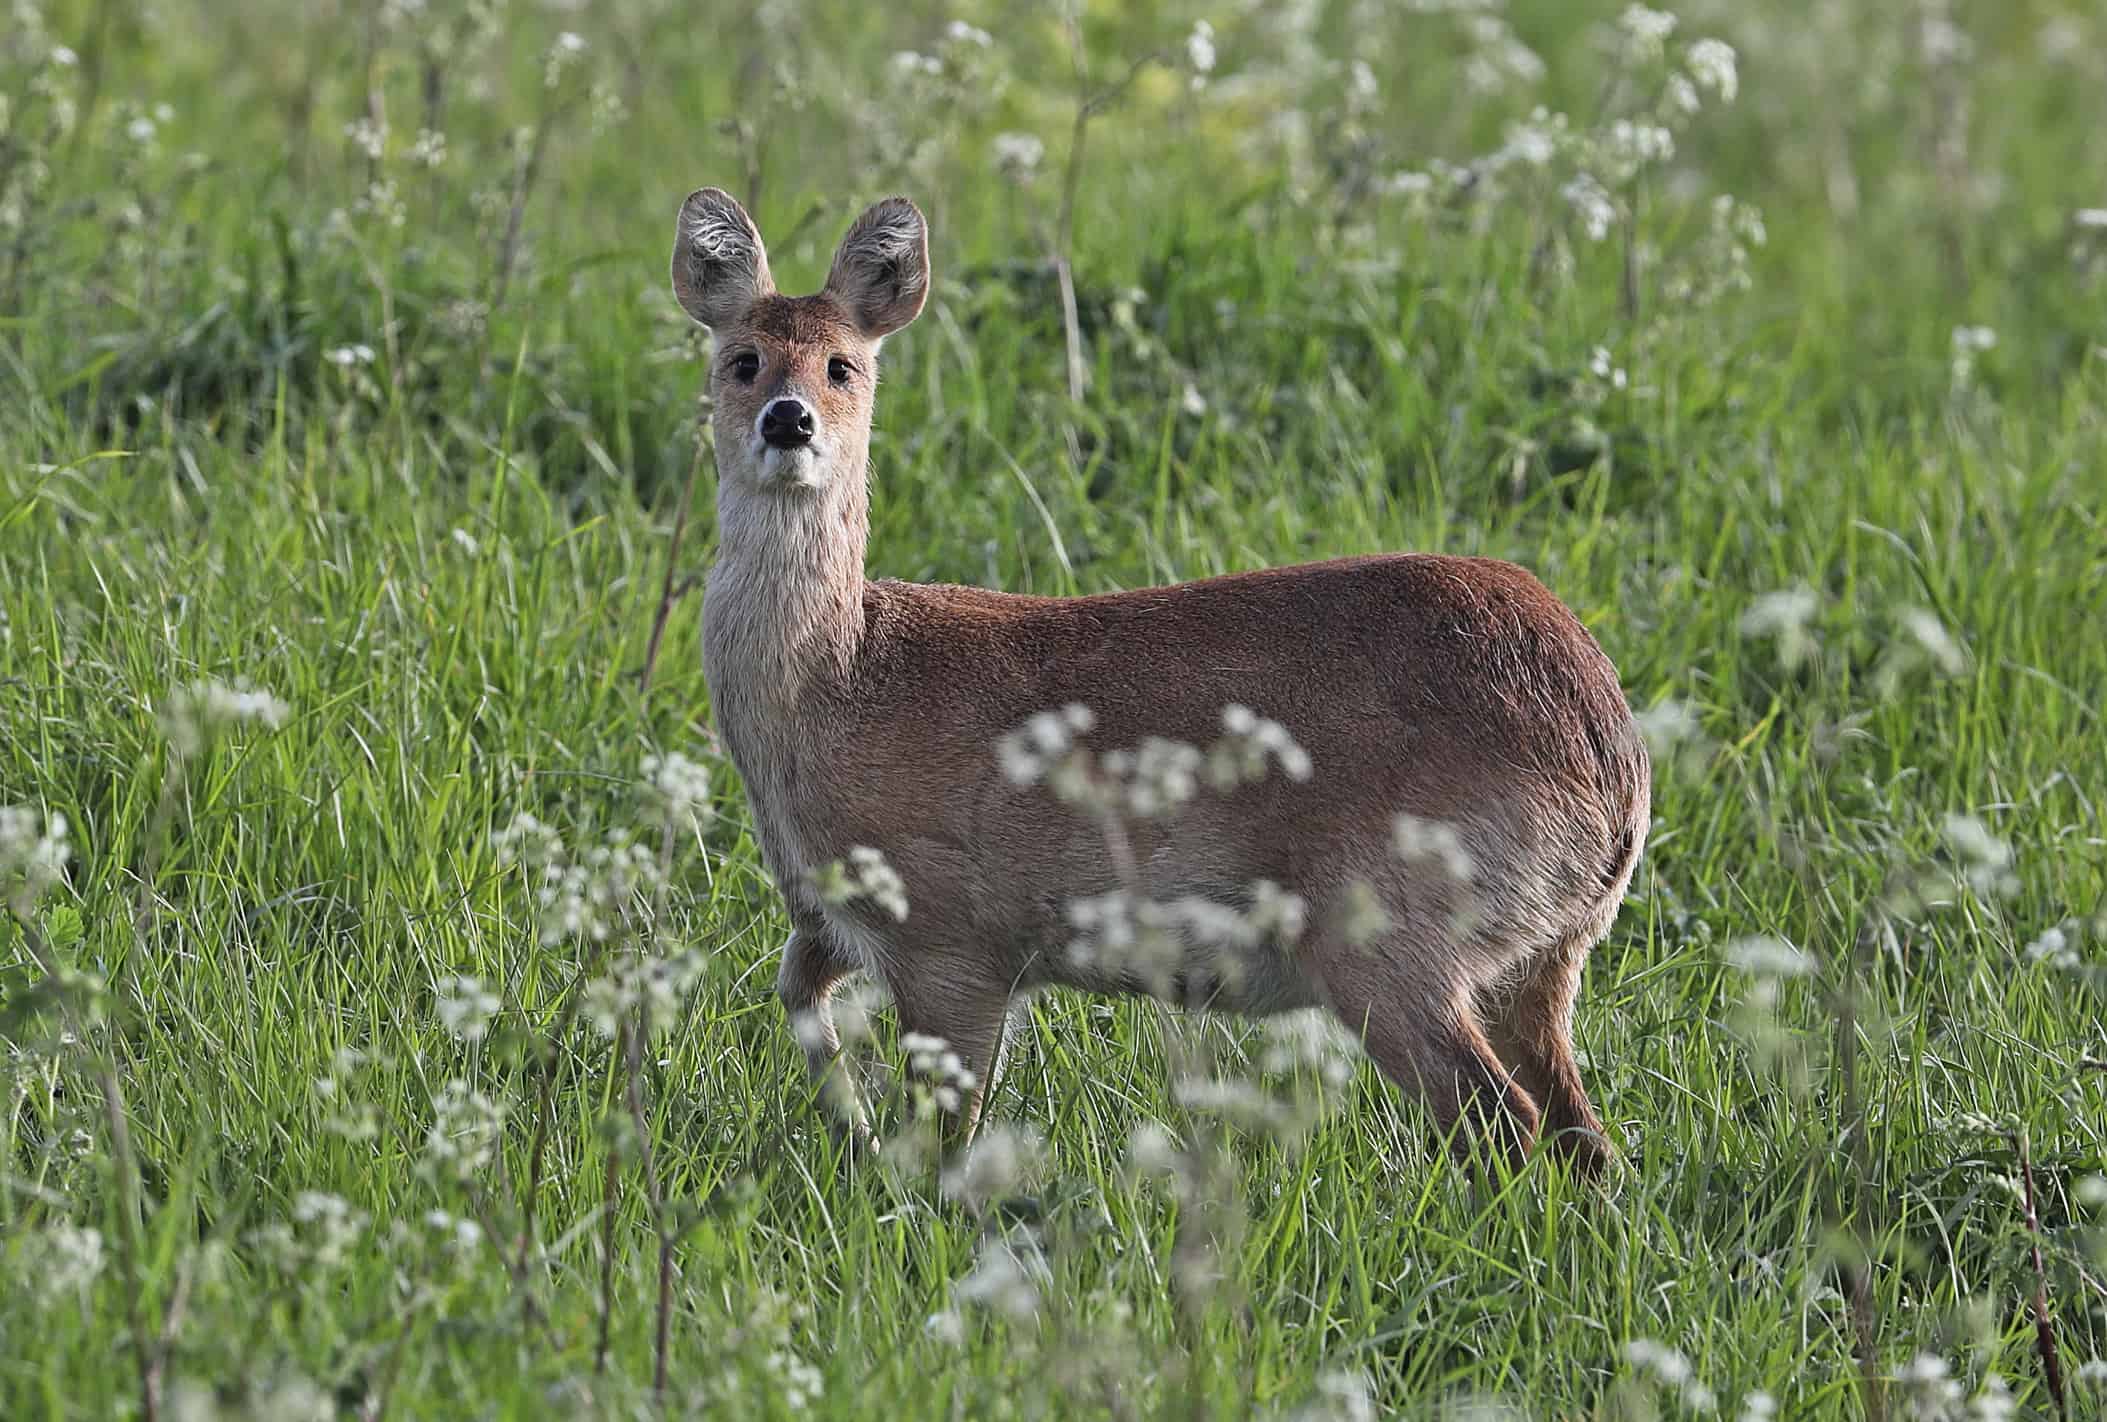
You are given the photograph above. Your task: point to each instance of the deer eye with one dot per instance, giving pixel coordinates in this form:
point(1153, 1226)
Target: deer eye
point(839, 370)
point(744, 367)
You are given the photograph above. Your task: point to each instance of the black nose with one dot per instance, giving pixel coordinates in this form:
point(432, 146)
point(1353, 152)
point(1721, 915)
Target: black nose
point(787, 424)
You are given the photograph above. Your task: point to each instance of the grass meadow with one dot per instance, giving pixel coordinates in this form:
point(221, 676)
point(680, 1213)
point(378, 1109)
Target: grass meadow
point(349, 449)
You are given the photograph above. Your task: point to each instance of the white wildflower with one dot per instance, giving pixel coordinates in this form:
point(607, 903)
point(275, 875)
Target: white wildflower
point(349, 356)
point(1633, 145)
point(368, 135)
point(1985, 860)
point(193, 713)
point(1712, 64)
point(1646, 31)
point(1001, 1159)
point(1993, 1401)
point(1670, 1368)
point(959, 32)
point(1928, 1388)
point(332, 1226)
point(1944, 42)
point(1784, 617)
point(1931, 637)
point(1249, 743)
point(429, 151)
point(679, 788)
point(467, 542)
point(33, 855)
point(1764, 956)
point(465, 1007)
point(1758, 1406)
point(1199, 52)
point(1042, 742)
point(644, 987)
point(1968, 343)
point(1151, 1150)
point(2092, 219)
point(1018, 155)
point(1001, 1281)
point(2093, 1371)
point(864, 875)
point(1418, 841)
point(1592, 203)
point(466, 1126)
point(458, 1234)
point(568, 49)
point(1668, 727)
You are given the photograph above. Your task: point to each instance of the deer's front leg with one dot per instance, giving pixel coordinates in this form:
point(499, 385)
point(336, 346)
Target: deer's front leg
point(812, 966)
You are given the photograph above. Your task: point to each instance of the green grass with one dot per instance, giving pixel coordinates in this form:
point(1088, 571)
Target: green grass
point(190, 488)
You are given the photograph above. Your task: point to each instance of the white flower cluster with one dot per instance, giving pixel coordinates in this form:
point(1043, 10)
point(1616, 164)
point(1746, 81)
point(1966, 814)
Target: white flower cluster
point(1155, 778)
point(1006, 1279)
point(581, 898)
point(945, 1073)
point(2054, 948)
point(320, 1234)
point(678, 788)
point(641, 986)
point(1670, 1368)
point(194, 713)
point(1784, 617)
point(1001, 1159)
point(1985, 860)
point(353, 1120)
point(465, 1007)
point(864, 875)
point(1969, 342)
point(33, 856)
point(1312, 1040)
point(1199, 52)
point(466, 1127)
point(1151, 938)
point(1018, 155)
point(1763, 956)
point(1421, 841)
point(566, 52)
point(1646, 32)
point(1930, 1392)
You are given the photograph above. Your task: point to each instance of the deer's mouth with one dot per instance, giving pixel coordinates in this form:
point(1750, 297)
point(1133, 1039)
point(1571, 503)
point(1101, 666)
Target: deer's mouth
point(798, 468)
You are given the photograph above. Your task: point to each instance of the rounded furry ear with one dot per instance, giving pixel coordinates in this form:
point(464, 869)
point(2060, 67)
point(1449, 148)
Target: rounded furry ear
point(881, 270)
point(719, 265)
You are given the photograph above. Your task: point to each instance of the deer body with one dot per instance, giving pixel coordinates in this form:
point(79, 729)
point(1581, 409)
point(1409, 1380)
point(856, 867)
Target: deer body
point(1457, 691)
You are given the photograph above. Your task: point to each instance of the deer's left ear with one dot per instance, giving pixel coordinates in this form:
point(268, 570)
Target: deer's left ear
point(881, 270)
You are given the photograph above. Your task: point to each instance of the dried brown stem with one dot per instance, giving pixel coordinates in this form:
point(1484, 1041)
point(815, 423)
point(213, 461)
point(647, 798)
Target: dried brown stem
point(2044, 1321)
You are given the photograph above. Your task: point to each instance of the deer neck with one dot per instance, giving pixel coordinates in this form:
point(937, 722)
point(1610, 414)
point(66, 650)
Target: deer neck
point(783, 613)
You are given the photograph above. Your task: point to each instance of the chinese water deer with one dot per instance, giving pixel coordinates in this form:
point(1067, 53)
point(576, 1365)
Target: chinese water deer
point(1456, 691)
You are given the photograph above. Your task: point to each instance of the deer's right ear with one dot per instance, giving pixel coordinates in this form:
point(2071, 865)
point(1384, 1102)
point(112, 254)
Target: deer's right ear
point(719, 265)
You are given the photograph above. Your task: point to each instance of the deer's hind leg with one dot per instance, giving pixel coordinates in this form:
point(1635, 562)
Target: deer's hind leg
point(1419, 1028)
point(1530, 1022)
